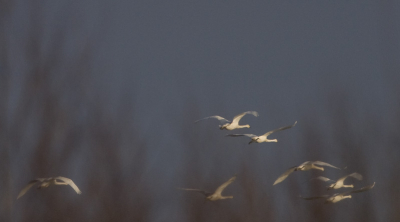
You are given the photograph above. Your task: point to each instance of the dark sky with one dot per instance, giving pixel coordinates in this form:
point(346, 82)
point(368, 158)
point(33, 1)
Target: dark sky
point(288, 60)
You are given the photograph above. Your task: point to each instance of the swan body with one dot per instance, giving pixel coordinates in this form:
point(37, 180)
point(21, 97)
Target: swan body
point(308, 165)
point(339, 196)
point(45, 182)
point(264, 137)
point(217, 194)
point(339, 183)
point(231, 125)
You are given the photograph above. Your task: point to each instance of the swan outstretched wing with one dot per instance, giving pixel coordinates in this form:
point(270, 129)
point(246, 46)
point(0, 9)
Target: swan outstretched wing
point(221, 188)
point(70, 183)
point(360, 190)
point(284, 175)
point(354, 175)
point(238, 117)
point(316, 197)
point(205, 193)
point(325, 179)
point(279, 129)
point(220, 118)
point(27, 187)
point(305, 163)
point(323, 164)
point(236, 135)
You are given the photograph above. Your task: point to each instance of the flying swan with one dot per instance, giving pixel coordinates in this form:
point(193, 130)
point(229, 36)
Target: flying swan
point(339, 183)
point(45, 182)
point(263, 138)
point(339, 196)
point(308, 165)
point(217, 194)
point(226, 124)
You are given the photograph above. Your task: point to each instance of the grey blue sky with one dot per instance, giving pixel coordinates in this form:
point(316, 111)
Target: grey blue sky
point(288, 60)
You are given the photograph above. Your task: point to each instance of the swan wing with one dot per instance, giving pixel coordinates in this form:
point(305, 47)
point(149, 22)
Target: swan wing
point(224, 185)
point(205, 193)
point(316, 197)
point(325, 179)
point(324, 164)
point(220, 118)
point(238, 117)
point(305, 163)
point(279, 129)
point(354, 175)
point(70, 183)
point(27, 187)
point(236, 135)
point(363, 189)
point(284, 175)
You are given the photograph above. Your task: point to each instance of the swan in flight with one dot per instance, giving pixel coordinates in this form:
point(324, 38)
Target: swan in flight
point(339, 196)
point(263, 138)
point(45, 182)
point(308, 165)
point(217, 194)
point(226, 124)
point(339, 183)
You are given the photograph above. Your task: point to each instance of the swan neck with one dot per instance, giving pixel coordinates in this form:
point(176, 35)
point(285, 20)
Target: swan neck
point(317, 167)
point(243, 126)
point(60, 183)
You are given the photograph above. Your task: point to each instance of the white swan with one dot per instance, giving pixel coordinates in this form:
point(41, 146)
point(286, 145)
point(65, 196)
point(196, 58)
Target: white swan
point(339, 196)
point(339, 183)
point(217, 194)
point(45, 182)
point(226, 124)
point(263, 138)
point(308, 165)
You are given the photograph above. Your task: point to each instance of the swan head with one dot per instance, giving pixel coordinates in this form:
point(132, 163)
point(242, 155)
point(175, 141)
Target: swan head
point(274, 140)
point(247, 126)
point(253, 140)
point(221, 127)
point(330, 187)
